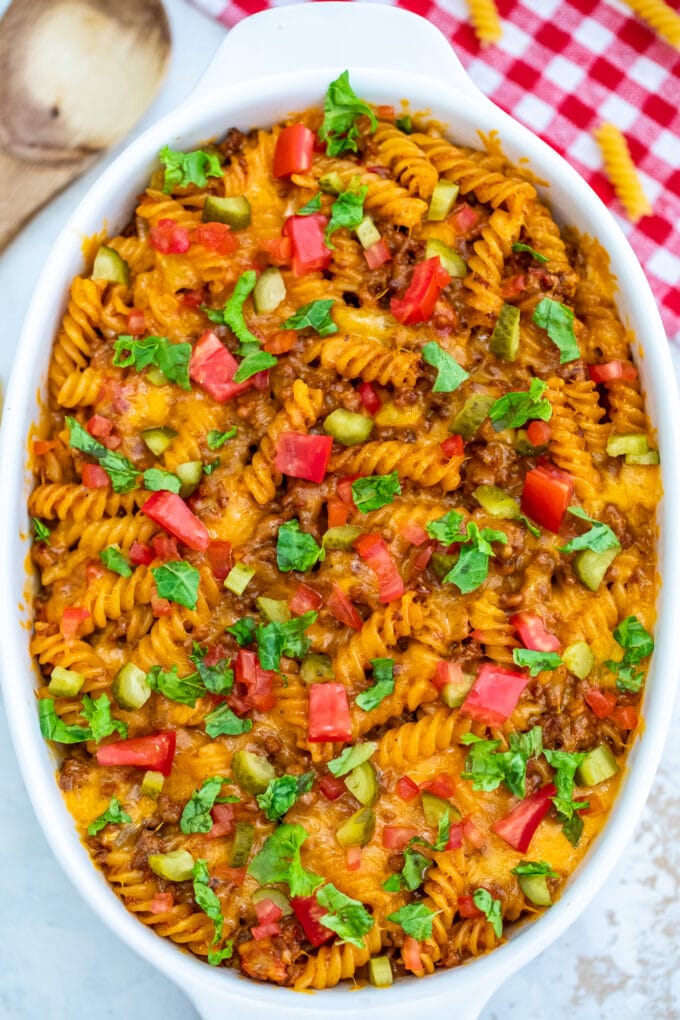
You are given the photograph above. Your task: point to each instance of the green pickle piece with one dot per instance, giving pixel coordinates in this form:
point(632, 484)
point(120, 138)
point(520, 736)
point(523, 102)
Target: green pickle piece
point(158, 439)
point(471, 415)
point(496, 502)
point(331, 184)
point(358, 828)
point(155, 376)
point(252, 772)
point(109, 265)
point(270, 290)
point(189, 474)
point(239, 852)
point(152, 784)
point(504, 342)
point(315, 668)
point(442, 201)
point(434, 808)
point(238, 578)
point(380, 971)
point(348, 427)
point(130, 687)
point(598, 765)
point(452, 262)
point(535, 888)
point(362, 783)
point(176, 866)
point(65, 683)
point(579, 659)
point(590, 566)
point(340, 537)
point(235, 212)
point(454, 693)
point(367, 232)
point(441, 563)
point(632, 443)
point(650, 457)
point(273, 610)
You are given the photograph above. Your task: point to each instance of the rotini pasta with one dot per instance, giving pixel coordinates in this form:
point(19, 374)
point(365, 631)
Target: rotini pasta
point(621, 171)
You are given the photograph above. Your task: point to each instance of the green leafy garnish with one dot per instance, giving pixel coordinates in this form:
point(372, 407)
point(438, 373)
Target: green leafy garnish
point(232, 313)
point(196, 816)
point(519, 406)
point(447, 529)
point(449, 373)
point(347, 211)
point(488, 768)
point(348, 918)
point(254, 360)
point(206, 899)
point(375, 491)
point(218, 678)
point(140, 352)
point(114, 815)
point(313, 206)
point(415, 919)
point(412, 875)
point(490, 906)
point(41, 532)
point(558, 322)
point(177, 581)
point(472, 566)
point(295, 549)
point(535, 662)
point(316, 315)
point(54, 728)
point(566, 764)
point(211, 466)
point(281, 794)
point(243, 630)
point(599, 538)
point(215, 439)
point(534, 868)
point(519, 246)
point(183, 168)
point(279, 861)
point(277, 639)
point(352, 757)
point(156, 480)
point(113, 559)
point(382, 686)
point(637, 644)
point(121, 471)
point(405, 124)
point(97, 711)
point(342, 109)
point(223, 721)
point(185, 690)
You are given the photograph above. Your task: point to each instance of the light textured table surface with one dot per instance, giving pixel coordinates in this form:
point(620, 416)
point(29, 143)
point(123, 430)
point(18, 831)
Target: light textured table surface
point(620, 961)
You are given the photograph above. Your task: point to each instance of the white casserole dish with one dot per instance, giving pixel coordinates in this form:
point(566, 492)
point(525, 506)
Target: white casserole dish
point(251, 83)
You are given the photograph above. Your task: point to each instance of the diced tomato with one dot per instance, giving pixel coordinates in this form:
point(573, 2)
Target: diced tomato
point(602, 703)
point(169, 238)
point(280, 342)
point(302, 456)
point(468, 908)
point(611, 371)
point(538, 433)
point(310, 251)
point(164, 547)
point(455, 837)
point(193, 298)
point(71, 620)
point(378, 254)
point(447, 673)
point(396, 837)
point(513, 286)
point(234, 875)
point(162, 902)
point(136, 323)
point(441, 786)
point(532, 633)
point(332, 787)
point(293, 152)
point(423, 557)
point(216, 237)
point(99, 427)
point(308, 912)
point(264, 931)
point(410, 952)
point(328, 713)
point(342, 609)
point(218, 555)
point(546, 495)
point(155, 751)
point(223, 820)
point(518, 827)
point(353, 858)
point(279, 249)
point(417, 305)
point(245, 667)
point(344, 487)
point(369, 397)
point(304, 600)
point(375, 553)
point(625, 717)
point(111, 442)
point(413, 533)
point(494, 695)
point(267, 911)
point(406, 789)
point(453, 446)
point(471, 833)
point(338, 512)
point(464, 217)
point(258, 682)
point(160, 607)
point(169, 511)
point(212, 367)
point(94, 477)
point(41, 446)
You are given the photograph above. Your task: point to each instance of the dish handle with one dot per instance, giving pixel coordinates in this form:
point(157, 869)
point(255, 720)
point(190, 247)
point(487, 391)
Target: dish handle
point(315, 35)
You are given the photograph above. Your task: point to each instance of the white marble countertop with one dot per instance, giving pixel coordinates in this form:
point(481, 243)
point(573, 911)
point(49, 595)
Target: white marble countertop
point(621, 960)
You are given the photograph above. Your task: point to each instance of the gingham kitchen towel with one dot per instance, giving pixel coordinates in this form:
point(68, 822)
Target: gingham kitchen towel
point(562, 67)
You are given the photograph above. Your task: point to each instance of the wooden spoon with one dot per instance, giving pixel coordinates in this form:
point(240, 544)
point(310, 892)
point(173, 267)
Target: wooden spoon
point(76, 76)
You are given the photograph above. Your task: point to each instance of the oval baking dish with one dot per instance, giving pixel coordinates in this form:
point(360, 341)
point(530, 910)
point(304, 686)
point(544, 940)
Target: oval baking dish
point(376, 44)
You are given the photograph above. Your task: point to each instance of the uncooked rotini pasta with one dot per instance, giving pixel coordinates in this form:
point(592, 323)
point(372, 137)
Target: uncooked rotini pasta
point(485, 21)
point(344, 523)
point(621, 171)
point(660, 16)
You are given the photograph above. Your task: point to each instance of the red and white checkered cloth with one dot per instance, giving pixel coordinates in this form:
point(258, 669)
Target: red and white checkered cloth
point(562, 67)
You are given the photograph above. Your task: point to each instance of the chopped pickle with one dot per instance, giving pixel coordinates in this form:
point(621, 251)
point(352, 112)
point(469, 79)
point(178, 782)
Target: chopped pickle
point(362, 783)
point(158, 439)
point(252, 771)
point(235, 212)
point(391, 415)
point(524, 446)
point(239, 852)
point(590, 566)
point(441, 563)
point(380, 971)
point(238, 578)
point(348, 427)
point(65, 683)
point(315, 668)
point(109, 265)
point(471, 415)
point(535, 888)
point(270, 892)
point(504, 342)
point(358, 828)
point(650, 457)
point(454, 265)
point(152, 784)
point(598, 765)
point(189, 474)
point(130, 687)
point(443, 197)
point(496, 502)
point(367, 232)
point(453, 694)
point(634, 443)
point(176, 866)
point(270, 290)
point(331, 184)
point(340, 537)
point(155, 376)
point(434, 808)
point(579, 659)
point(273, 610)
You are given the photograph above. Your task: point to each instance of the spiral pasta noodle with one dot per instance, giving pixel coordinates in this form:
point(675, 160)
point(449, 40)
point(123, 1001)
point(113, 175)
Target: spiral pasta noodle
point(621, 171)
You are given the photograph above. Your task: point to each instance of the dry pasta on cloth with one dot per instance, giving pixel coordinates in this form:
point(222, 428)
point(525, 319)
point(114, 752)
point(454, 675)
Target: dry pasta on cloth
point(563, 67)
